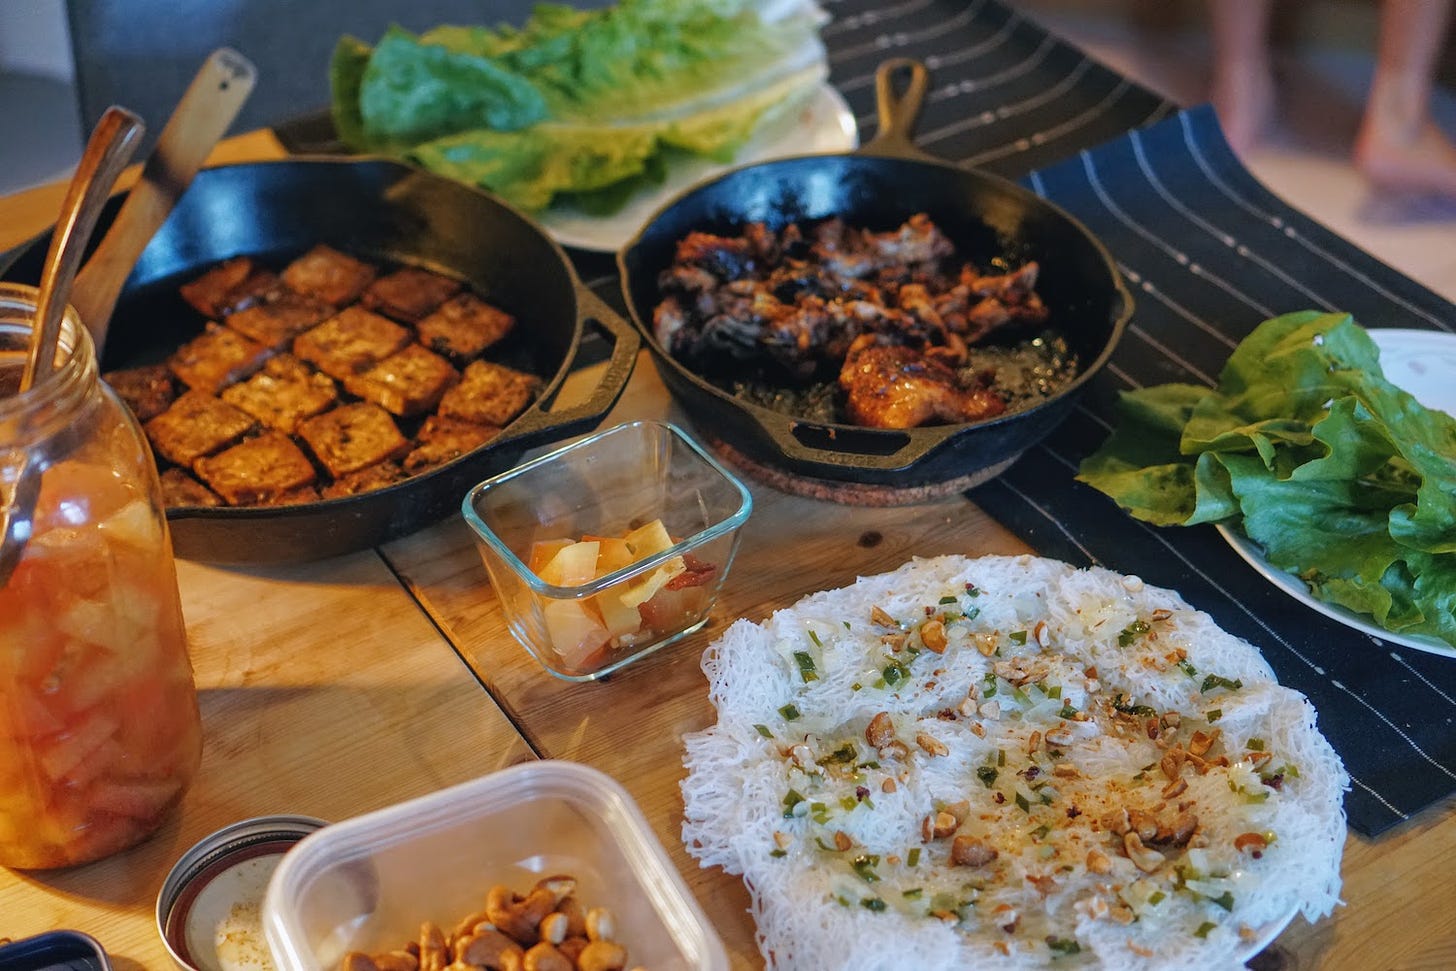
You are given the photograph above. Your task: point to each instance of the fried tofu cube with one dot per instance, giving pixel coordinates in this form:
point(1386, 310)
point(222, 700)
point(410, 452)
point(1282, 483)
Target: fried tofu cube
point(365, 480)
point(181, 489)
point(352, 437)
point(442, 440)
point(197, 424)
point(408, 382)
point(409, 293)
point(293, 497)
point(328, 275)
point(464, 326)
point(277, 322)
point(229, 286)
point(147, 391)
point(489, 394)
point(284, 393)
point(256, 470)
point(351, 342)
point(216, 358)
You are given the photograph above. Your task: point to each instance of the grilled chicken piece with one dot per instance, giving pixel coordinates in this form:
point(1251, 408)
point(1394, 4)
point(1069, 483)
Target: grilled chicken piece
point(894, 386)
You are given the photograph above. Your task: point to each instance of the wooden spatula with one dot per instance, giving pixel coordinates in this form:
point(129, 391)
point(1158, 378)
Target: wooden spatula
point(207, 108)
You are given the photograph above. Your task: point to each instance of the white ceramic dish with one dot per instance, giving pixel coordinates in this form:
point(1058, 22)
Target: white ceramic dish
point(824, 125)
point(1422, 362)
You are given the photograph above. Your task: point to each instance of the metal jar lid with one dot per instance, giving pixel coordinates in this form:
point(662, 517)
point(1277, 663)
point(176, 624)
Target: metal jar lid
point(209, 911)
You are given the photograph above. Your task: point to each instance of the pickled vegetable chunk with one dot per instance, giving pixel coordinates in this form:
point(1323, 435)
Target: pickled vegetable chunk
point(99, 729)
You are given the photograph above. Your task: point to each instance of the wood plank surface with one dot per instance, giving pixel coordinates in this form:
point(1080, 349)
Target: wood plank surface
point(324, 691)
point(1397, 910)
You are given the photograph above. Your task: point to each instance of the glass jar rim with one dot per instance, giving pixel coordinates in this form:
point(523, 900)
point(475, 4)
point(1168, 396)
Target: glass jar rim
point(35, 412)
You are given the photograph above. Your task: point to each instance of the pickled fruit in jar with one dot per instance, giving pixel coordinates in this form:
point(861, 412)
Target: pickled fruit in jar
point(99, 729)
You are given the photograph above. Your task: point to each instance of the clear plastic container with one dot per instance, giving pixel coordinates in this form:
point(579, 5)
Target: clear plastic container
point(367, 884)
point(608, 488)
point(99, 728)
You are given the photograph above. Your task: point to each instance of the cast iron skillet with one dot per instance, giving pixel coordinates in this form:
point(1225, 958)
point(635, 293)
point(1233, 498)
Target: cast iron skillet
point(384, 212)
point(880, 186)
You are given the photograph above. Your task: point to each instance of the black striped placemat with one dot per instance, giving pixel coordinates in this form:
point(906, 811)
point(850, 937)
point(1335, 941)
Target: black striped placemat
point(1209, 253)
point(1005, 95)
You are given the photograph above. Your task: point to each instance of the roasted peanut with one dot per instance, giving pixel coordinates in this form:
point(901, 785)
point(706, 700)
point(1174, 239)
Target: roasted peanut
point(880, 731)
point(600, 924)
point(932, 635)
point(971, 851)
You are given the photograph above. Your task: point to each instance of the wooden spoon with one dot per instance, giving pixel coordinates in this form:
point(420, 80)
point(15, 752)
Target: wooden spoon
point(207, 108)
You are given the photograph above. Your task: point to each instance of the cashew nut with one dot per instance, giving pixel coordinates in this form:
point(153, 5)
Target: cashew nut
point(932, 635)
point(553, 928)
point(544, 957)
point(1143, 858)
point(575, 916)
point(572, 947)
point(561, 887)
point(1251, 843)
point(485, 949)
point(600, 925)
point(396, 961)
point(358, 961)
point(505, 911)
point(880, 731)
point(602, 956)
point(971, 851)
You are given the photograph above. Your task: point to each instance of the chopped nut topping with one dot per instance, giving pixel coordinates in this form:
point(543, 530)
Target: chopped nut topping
point(971, 851)
point(842, 841)
point(1098, 862)
point(1201, 742)
point(1143, 858)
point(878, 616)
point(881, 730)
point(931, 745)
point(1250, 843)
point(932, 635)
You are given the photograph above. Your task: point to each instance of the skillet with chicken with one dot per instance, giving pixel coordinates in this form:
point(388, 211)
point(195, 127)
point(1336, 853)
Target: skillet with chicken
point(881, 329)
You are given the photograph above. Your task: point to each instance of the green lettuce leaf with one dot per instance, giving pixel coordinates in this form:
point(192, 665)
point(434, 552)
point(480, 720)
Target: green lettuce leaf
point(587, 103)
point(1341, 478)
point(532, 166)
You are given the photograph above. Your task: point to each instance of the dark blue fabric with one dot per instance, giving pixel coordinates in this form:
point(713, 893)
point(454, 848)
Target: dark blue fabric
point(1209, 254)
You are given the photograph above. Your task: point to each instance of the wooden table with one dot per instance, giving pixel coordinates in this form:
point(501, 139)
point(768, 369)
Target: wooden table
point(336, 687)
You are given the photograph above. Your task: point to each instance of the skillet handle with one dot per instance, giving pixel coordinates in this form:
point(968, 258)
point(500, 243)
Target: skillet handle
point(898, 111)
point(851, 447)
point(539, 425)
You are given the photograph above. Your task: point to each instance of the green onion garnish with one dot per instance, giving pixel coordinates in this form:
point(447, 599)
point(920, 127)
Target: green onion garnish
point(789, 712)
point(1132, 632)
point(806, 665)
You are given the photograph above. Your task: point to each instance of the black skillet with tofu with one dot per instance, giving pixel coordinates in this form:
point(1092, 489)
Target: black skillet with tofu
point(323, 357)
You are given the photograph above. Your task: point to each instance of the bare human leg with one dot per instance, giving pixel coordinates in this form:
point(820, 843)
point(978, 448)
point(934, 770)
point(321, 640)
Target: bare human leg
point(1399, 146)
point(1243, 73)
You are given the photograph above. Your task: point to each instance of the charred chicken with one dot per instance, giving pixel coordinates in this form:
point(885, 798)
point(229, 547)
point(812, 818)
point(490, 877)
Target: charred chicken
point(891, 316)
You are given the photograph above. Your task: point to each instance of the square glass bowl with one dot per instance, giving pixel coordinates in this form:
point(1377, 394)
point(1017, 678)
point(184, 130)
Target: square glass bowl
point(663, 517)
point(366, 884)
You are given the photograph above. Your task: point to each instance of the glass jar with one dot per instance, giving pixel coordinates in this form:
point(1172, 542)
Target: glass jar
point(99, 728)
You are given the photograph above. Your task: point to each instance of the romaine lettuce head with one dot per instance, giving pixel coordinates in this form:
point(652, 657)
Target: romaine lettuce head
point(532, 166)
point(578, 101)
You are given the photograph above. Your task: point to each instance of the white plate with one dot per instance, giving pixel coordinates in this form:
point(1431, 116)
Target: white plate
point(824, 125)
point(1421, 362)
